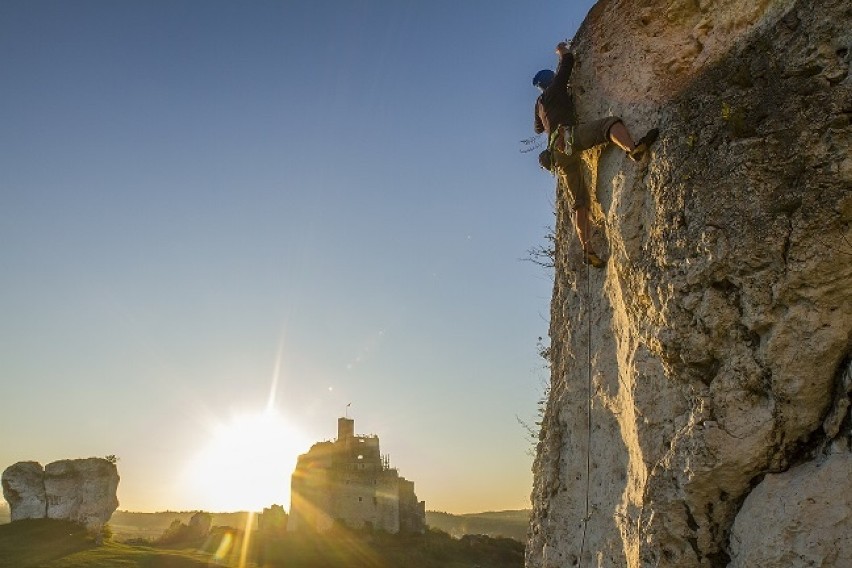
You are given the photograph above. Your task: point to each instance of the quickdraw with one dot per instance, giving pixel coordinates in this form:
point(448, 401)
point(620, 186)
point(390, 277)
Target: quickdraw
point(562, 140)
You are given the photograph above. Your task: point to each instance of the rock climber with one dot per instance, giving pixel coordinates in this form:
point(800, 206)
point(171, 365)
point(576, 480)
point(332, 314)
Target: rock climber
point(555, 115)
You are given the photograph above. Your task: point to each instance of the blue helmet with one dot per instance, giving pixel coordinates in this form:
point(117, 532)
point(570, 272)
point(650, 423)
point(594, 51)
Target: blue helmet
point(543, 79)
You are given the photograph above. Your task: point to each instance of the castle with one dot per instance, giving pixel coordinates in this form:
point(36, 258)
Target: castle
point(348, 481)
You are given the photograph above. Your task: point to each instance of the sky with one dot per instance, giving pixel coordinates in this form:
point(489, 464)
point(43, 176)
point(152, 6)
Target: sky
point(223, 222)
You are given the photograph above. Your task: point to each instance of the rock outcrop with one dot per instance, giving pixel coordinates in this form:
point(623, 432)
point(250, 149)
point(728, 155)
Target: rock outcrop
point(178, 532)
point(797, 518)
point(82, 490)
point(23, 489)
point(200, 523)
point(701, 379)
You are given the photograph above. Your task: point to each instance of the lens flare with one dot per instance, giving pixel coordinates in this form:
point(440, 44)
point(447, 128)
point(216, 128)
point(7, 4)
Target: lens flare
point(246, 465)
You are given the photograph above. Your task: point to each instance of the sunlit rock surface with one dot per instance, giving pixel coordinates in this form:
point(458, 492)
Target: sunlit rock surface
point(82, 490)
point(797, 518)
point(23, 489)
point(708, 361)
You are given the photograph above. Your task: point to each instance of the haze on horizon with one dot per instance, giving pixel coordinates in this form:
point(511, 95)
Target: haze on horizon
point(224, 222)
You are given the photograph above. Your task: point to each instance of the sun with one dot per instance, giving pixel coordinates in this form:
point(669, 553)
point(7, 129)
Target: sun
point(246, 465)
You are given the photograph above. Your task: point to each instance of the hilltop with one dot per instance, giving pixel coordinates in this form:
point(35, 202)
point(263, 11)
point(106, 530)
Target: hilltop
point(509, 524)
point(52, 543)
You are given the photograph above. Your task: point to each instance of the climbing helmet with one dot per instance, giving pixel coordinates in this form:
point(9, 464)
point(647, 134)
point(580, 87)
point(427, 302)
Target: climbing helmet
point(543, 79)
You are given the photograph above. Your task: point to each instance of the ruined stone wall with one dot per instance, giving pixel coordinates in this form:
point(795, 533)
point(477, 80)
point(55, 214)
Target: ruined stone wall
point(310, 498)
point(412, 513)
point(354, 498)
point(387, 496)
point(347, 481)
point(698, 381)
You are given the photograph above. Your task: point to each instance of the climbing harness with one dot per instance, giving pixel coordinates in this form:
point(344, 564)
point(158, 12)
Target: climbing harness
point(562, 140)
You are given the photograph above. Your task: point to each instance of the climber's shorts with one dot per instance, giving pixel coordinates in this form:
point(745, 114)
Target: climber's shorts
point(569, 166)
point(590, 134)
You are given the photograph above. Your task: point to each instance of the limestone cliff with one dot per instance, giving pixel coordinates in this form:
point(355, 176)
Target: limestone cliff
point(698, 411)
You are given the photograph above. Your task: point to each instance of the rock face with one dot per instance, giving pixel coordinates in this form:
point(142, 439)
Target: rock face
point(82, 491)
point(23, 489)
point(701, 379)
point(791, 520)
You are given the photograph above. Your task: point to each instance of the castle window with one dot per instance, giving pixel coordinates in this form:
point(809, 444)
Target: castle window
point(360, 499)
point(360, 457)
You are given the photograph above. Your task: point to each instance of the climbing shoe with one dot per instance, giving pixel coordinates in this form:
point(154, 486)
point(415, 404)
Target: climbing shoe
point(642, 146)
point(592, 259)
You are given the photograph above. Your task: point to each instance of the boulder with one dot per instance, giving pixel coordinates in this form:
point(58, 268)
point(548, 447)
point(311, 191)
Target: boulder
point(23, 489)
point(797, 518)
point(81, 490)
point(200, 523)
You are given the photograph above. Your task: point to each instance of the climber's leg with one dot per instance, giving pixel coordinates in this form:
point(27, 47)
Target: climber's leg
point(571, 178)
point(620, 136)
point(612, 129)
point(590, 134)
point(581, 224)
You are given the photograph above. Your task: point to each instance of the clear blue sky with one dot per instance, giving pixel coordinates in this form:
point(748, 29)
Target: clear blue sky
point(192, 191)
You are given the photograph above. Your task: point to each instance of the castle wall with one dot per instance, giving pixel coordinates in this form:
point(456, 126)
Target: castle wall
point(346, 481)
point(354, 498)
point(412, 513)
point(310, 500)
point(387, 495)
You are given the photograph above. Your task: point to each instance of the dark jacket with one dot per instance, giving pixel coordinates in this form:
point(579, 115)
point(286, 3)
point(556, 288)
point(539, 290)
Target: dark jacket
point(555, 105)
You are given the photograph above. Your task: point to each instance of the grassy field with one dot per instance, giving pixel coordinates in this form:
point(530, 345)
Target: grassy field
point(46, 543)
point(344, 549)
point(511, 524)
point(60, 544)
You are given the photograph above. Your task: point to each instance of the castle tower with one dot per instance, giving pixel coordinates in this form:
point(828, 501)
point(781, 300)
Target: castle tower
point(345, 429)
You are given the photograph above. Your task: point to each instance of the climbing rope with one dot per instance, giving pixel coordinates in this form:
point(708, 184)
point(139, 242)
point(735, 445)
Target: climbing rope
point(588, 403)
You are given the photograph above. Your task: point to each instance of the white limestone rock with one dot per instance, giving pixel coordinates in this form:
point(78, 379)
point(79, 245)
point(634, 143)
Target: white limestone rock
point(797, 518)
point(81, 490)
point(711, 350)
point(23, 489)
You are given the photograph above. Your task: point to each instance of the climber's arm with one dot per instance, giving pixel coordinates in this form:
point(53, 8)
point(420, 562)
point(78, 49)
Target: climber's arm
point(566, 65)
point(538, 125)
